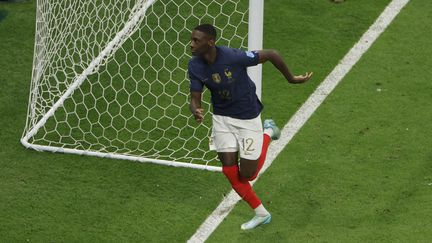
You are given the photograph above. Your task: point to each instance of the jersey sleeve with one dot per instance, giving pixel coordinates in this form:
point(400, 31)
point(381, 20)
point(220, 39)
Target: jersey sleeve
point(247, 58)
point(195, 83)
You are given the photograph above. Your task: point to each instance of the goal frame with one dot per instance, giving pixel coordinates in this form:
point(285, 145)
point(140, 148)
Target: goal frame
point(255, 40)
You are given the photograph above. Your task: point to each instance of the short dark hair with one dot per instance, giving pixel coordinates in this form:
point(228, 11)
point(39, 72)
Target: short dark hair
point(208, 29)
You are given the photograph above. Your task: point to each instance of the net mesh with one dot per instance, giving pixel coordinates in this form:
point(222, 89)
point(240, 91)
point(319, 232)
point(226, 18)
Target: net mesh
point(111, 76)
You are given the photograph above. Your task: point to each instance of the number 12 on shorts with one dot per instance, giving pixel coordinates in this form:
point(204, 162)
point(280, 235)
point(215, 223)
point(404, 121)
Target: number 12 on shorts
point(248, 145)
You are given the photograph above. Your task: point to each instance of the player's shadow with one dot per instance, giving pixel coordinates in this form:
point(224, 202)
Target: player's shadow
point(3, 14)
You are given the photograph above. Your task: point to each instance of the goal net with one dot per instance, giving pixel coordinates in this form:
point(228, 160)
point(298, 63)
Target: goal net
point(110, 77)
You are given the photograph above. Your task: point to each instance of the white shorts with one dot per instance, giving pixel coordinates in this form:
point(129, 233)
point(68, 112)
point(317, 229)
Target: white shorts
point(232, 135)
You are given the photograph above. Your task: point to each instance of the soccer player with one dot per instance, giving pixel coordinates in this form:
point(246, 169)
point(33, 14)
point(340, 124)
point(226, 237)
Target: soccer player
point(237, 129)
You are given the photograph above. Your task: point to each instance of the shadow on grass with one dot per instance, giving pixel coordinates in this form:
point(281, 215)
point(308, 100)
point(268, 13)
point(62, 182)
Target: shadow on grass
point(3, 14)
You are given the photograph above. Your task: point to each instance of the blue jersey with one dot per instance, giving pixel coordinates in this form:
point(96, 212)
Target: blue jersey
point(232, 90)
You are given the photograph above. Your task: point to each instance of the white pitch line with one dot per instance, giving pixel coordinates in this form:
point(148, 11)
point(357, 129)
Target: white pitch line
point(305, 112)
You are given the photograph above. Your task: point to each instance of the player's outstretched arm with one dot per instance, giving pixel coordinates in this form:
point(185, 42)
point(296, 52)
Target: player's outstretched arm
point(275, 58)
point(195, 106)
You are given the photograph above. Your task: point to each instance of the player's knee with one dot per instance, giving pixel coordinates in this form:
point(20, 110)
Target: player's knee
point(247, 175)
point(248, 169)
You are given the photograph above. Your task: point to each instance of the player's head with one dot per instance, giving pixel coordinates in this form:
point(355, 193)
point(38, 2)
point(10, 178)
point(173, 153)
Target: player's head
point(203, 39)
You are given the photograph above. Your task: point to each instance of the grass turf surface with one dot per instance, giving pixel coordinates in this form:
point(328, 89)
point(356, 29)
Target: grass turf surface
point(359, 171)
point(354, 173)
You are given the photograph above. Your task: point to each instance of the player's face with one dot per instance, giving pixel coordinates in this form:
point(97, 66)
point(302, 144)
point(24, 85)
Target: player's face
point(201, 43)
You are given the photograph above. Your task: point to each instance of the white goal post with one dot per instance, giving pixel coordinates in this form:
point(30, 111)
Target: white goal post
point(110, 77)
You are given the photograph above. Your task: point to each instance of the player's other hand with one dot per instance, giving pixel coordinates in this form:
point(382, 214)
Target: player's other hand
point(199, 114)
point(301, 78)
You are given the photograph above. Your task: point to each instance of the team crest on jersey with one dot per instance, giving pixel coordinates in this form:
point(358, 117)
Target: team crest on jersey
point(216, 77)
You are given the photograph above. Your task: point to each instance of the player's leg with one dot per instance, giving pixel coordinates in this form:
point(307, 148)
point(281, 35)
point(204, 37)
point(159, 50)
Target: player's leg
point(251, 142)
point(225, 143)
point(245, 191)
point(262, 216)
point(225, 137)
point(250, 167)
point(228, 158)
point(253, 150)
point(231, 171)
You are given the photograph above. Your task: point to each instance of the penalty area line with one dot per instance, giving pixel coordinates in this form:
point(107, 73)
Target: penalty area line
point(305, 112)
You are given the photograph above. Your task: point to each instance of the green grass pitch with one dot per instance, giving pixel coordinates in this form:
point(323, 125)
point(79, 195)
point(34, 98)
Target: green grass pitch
point(358, 171)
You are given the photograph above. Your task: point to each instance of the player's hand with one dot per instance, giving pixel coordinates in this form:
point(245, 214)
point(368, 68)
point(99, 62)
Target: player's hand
point(199, 114)
point(301, 78)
